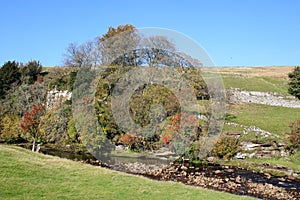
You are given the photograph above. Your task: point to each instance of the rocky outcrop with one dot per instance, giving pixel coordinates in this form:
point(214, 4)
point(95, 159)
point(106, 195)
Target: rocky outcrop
point(56, 97)
point(267, 147)
point(267, 98)
point(263, 150)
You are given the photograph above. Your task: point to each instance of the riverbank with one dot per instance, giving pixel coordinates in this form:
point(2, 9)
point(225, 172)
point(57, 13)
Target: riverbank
point(210, 175)
point(29, 175)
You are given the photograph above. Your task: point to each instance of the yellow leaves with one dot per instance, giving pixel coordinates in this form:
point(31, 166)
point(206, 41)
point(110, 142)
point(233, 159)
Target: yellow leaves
point(11, 128)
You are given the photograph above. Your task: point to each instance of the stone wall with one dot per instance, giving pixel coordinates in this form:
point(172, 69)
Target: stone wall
point(267, 98)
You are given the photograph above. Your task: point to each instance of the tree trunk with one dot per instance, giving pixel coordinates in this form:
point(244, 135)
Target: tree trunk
point(33, 144)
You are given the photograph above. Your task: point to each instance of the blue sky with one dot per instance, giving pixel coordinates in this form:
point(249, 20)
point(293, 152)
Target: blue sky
point(234, 33)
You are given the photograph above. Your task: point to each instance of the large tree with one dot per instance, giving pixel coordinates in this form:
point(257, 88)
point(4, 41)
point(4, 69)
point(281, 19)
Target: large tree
point(106, 49)
point(294, 83)
point(116, 44)
point(9, 76)
point(86, 54)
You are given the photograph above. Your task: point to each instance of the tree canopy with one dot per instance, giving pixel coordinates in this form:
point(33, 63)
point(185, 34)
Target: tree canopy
point(294, 83)
point(9, 75)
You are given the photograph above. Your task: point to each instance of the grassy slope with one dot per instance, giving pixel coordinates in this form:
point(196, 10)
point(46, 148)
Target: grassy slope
point(27, 175)
point(264, 79)
point(262, 84)
point(270, 118)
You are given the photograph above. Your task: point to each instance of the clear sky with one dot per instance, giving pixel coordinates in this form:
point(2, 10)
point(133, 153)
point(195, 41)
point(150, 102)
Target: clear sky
point(233, 32)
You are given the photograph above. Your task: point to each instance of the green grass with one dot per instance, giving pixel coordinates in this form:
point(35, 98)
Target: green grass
point(270, 118)
point(261, 84)
point(292, 162)
point(28, 175)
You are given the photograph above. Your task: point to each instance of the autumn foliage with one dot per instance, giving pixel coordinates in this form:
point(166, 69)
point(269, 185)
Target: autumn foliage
point(294, 134)
point(31, 121)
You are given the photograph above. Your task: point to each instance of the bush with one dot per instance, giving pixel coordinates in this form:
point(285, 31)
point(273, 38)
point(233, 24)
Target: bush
point(10, 129)
point(226, 147)
point(55, 122)
point(294, 135)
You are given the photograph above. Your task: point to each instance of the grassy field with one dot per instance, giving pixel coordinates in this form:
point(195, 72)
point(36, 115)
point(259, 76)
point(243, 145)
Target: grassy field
point(270, 118)
point(263, 79)
point(28, 175)
point(269, 71)
point(261, 84)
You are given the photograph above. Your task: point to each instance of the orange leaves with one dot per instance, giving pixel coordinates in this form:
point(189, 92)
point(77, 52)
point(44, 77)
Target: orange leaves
point(31, 119)
point(166, 139)
point(181, 124)
point(115, 31)
point(294, 135)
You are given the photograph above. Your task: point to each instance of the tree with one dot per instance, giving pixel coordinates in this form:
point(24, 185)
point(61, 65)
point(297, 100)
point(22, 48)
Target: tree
point(30, 71)
point(31, 122)
point(9, 76)
point(294, 83)
point(54, 124)
point(156, 48)
point(10, 128)
point(21, 99)
point(86, 54)
point(117, 43)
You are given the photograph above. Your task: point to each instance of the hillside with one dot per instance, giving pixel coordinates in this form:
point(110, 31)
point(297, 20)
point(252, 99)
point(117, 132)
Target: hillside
point(261, 117)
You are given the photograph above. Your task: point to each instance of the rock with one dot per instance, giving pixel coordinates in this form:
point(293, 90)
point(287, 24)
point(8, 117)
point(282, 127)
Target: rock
point(212, 159)
point(55, 97)
point(278, 166)
point(119, 148)
point(230, 170)
point(240, 155)
point(184, 168)
point(238, 179)
point(251, 155)
point(249, 146)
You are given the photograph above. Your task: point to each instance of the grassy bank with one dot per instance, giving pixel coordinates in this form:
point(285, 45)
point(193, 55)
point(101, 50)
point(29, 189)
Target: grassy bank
point(27, 175)
point(270, 118)
point(262, 84)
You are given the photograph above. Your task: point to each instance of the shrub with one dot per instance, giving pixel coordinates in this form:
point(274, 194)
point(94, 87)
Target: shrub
point(133, 142)
point(294, 135)
point(10, 130)
point(226, 147)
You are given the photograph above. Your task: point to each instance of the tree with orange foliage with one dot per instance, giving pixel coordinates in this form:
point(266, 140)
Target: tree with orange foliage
point(31, 121)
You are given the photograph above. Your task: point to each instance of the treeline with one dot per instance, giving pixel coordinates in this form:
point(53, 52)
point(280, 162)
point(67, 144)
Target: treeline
point(23, 113)
point(26, 118)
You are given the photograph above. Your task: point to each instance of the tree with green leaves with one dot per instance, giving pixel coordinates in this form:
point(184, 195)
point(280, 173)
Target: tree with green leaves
point(294, 84)
point(31, 71)
point(9, 76)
